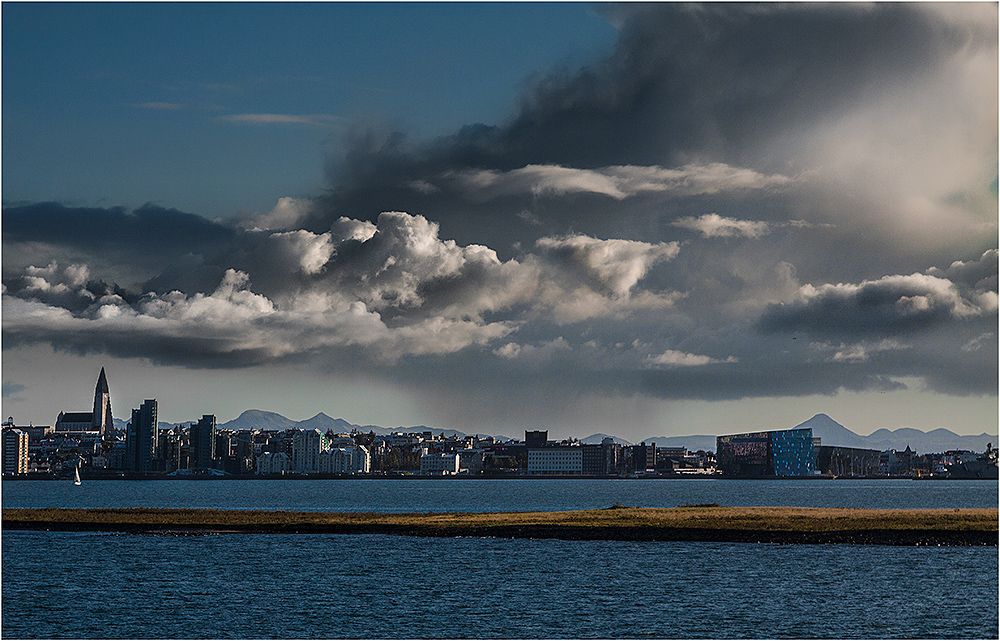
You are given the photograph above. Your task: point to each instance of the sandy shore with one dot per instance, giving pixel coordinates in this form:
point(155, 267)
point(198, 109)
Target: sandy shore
point(689, 523)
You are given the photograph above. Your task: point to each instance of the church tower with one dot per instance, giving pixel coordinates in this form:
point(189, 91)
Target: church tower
point(103, 421)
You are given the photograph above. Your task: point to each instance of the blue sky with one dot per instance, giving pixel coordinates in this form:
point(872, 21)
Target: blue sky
point(216, 108)
point(640, 220)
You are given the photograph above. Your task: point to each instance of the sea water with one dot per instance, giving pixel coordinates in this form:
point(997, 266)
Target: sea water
point(311, 586)
point(498, 495)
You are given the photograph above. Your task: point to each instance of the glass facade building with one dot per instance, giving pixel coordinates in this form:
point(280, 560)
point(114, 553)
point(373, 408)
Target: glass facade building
point(792, 453)
point(779, 453)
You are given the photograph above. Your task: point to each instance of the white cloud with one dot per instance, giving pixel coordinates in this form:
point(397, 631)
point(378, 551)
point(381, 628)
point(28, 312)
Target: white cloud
point(857, 352)
point(287, 214)
point(315, 120)
point(398, 291)
point(51, 277)
point(675, 358)
point(534, 355)
point(616, 264)
point(715, 226)
point(308, 251)
point(976, 343)
point(618, 182)
point(903, 296)
point(694, 180)
point(345, 229)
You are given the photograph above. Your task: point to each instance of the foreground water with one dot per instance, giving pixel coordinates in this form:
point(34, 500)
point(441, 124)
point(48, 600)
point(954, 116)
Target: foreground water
point(89, 585)
point(82, 585)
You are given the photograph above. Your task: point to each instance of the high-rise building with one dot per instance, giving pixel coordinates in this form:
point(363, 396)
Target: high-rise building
point(15, 452)
point(202, 438)
point(306, 446)
point(140, 438)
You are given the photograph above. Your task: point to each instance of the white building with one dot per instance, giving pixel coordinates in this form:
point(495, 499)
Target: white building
point(555, 460)
point(273, 463)
point(345, 460)
point(306, 447)
point(362, 459)
point(440, 463)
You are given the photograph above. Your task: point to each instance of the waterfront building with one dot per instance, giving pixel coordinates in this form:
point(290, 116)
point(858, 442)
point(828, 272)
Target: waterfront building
point(35, 432)
point(306, 448)
point(15, 451)
point(99, 420)
point(223, 445)
point(444, 463)
point(644, 457)
point(345, 460)
point(273, 463)
point(677, 454)
point(141, 443)
point(602, 459)
point(362, 459)
point(506, 456)
point(558, 459)
point(847, 461)
point(895, 463)
point(244, 452)
point(202, 443)
point(470, 461)
point(768, 454)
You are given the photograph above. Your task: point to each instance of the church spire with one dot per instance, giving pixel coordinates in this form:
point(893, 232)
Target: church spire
point(102, 383)
point(103, 420)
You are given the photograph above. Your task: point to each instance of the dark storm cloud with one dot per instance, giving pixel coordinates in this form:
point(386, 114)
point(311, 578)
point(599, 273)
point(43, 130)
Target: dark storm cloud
point(144, 240)
point(686, 84)
point(148, 228)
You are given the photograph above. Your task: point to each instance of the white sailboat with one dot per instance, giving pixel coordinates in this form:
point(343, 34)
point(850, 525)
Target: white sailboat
point(76, 479)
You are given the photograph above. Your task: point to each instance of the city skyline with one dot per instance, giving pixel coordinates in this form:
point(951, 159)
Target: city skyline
point(640, 220)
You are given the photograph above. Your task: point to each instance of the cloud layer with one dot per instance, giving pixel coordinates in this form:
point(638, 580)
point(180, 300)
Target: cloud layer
point(740, 201)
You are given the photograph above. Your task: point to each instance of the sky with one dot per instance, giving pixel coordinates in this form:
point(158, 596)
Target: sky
point(639, 220)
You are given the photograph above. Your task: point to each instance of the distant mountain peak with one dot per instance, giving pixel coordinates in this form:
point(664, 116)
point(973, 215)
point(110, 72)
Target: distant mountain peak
point(599, 437)
point(821, 420)
point(260, 419)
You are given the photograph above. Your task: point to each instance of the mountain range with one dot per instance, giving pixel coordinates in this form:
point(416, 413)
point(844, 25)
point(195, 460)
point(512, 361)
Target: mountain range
point(828, 430)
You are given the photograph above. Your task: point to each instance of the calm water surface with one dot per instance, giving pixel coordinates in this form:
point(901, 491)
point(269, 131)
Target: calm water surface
point(96, 586)
point(496, 495)
point(85, 585)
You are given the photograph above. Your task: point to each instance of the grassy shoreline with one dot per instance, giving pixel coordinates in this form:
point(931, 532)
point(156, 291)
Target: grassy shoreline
point(688, 523)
